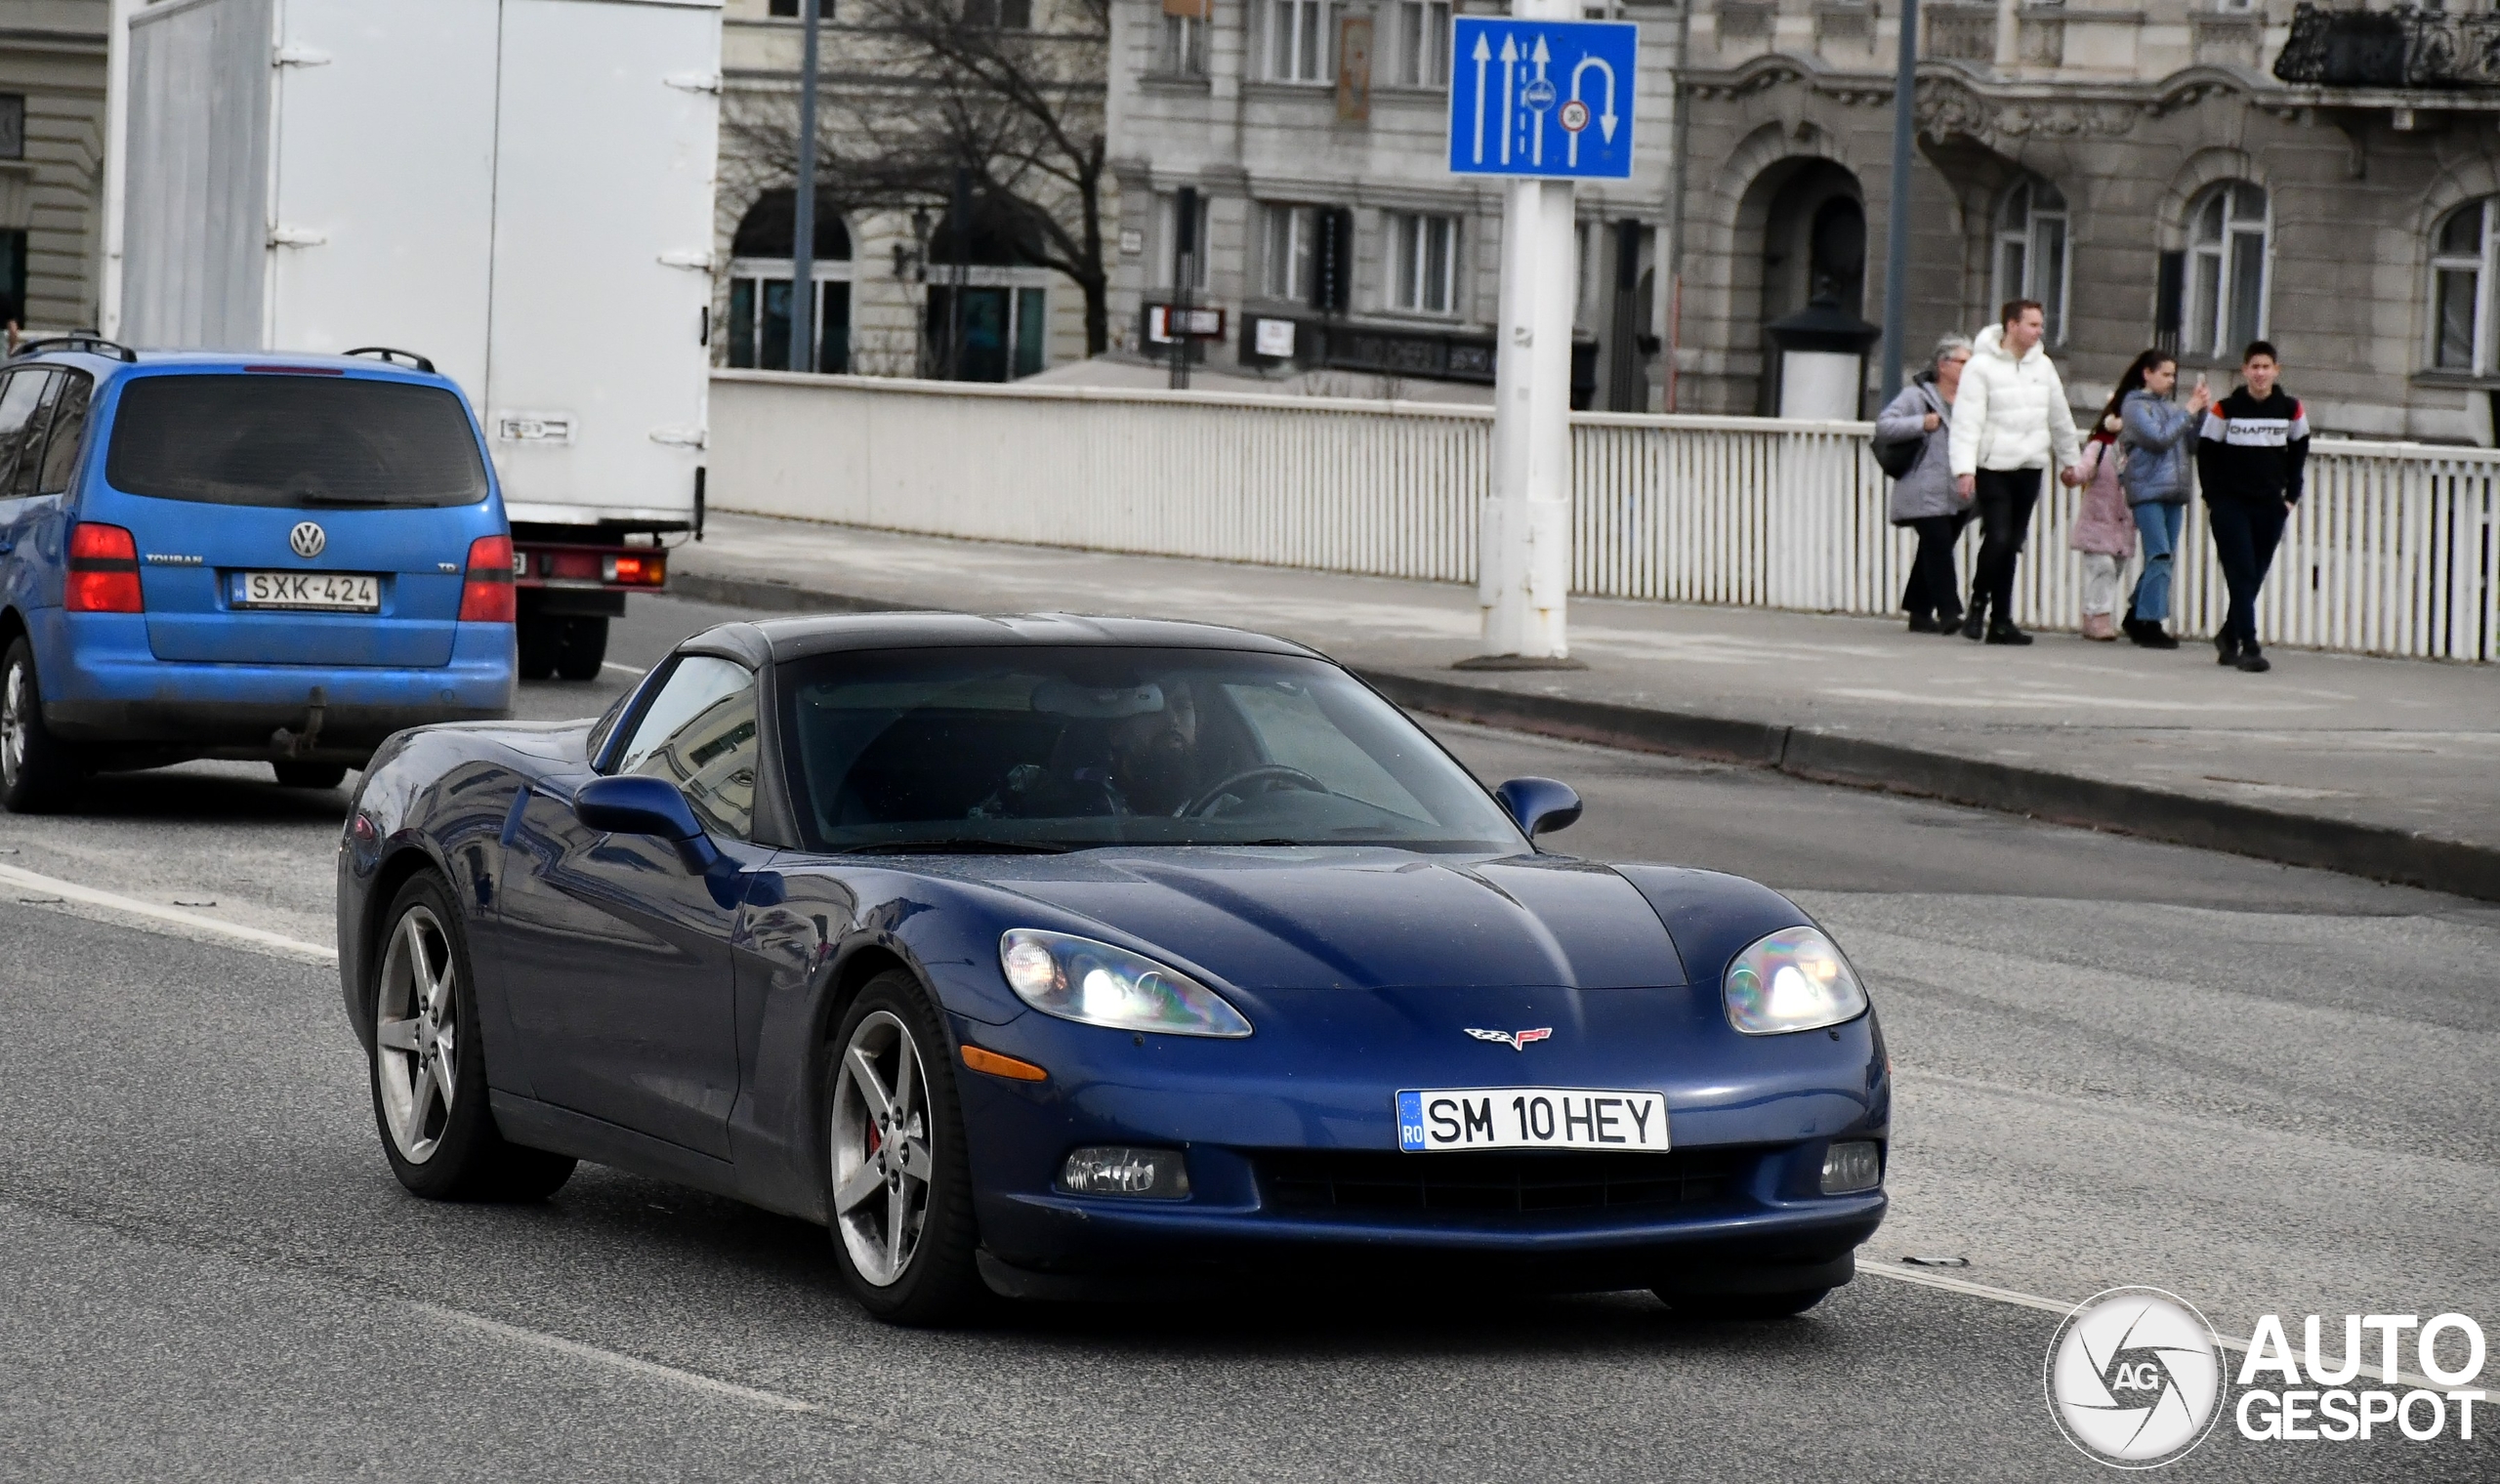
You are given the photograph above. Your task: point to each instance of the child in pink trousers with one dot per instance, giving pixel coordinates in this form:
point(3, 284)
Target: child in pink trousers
point(2104, 530)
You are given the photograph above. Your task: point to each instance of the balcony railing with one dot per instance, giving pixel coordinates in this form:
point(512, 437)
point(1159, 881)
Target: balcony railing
point(2409, 49)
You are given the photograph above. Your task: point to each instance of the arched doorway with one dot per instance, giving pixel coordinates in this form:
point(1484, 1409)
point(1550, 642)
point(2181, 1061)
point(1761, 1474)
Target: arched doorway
point(1000, 330)
point(760, 270)
point(1813, 248)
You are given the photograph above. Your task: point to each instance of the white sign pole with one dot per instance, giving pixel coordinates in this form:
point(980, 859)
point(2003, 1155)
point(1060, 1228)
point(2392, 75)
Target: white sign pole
point(1523, 559)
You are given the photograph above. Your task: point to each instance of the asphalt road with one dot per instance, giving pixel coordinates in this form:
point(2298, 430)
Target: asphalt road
point(2262, 1089)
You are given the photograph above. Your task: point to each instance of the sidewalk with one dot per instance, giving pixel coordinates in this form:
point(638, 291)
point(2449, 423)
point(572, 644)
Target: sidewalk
point(2387, 769)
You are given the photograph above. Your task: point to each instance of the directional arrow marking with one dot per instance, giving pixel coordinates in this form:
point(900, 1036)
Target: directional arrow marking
point(1510, 74)
point(1483, 55)
point(1536, 155)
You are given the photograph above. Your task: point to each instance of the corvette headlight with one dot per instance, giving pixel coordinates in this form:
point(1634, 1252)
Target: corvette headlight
point(1793, 981)
point(1097, 984)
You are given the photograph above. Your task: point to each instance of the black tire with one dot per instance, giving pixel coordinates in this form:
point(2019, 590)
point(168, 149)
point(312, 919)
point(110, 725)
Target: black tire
point(459, 1155)
point(1713, 1306)
point(35, 770)
point(538, 638)
point(309, 775)
point(937, 1282)
point(582, 649)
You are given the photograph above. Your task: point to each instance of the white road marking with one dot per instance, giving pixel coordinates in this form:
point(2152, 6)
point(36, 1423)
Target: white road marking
point(114, 901)
point(615, 1360)
point(636, 671)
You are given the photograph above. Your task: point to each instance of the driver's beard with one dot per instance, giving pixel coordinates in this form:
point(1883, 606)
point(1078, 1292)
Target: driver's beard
point(1158, 776)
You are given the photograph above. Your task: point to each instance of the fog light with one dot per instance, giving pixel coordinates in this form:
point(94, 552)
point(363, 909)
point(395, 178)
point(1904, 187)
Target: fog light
point(1153, 1175)
point(1849, 1167)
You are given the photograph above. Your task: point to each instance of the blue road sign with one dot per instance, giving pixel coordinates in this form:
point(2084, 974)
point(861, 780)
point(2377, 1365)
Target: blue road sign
point(1543, 98)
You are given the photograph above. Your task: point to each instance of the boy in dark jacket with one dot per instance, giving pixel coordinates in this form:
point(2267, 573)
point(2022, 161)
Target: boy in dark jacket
point(2249, 459)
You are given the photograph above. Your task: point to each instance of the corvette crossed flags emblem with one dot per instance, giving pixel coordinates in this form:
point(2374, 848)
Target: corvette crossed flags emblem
point(1517, 1041)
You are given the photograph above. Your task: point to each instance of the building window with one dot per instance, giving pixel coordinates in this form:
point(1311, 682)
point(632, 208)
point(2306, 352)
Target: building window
point(1167, 236)
point(1423, 43)
point(758, 327)
point(2226, 269)
point(1184, 47)
point(2461, 269)
point(1423, 264)
point(1298, 44)
point(1002, 15)
point(1002, 334)
point(2032, 258)
point(12, 126)
point(1288, 251)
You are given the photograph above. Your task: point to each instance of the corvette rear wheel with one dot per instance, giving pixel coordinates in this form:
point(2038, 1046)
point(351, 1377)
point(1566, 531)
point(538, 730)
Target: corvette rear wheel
point(898, 1189)
point(429, 1079)
point(34, 773)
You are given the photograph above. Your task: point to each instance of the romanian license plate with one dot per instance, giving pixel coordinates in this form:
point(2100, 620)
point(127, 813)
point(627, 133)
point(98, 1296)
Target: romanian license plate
point(1530, 1118)
point(342, 592)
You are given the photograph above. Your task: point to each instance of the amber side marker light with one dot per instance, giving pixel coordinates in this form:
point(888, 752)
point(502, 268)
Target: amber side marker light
point(1003, 1066)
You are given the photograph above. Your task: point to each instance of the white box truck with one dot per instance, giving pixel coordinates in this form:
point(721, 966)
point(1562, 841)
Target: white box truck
point(518, 190)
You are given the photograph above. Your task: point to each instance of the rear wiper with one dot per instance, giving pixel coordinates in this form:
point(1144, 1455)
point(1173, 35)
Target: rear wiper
point(957, 846)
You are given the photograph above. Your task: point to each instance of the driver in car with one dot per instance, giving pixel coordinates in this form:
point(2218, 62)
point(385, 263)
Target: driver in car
point(1127, 749)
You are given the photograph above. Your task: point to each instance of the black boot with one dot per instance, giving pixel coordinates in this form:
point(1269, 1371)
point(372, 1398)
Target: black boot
point(2226, 649)
point(2003, 632)
point(1923, 623)
point(2252, 661)
point(2148, 633)
point(1975, 623)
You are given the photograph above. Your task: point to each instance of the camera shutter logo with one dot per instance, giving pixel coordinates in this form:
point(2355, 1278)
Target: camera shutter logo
point(308, 540)
point(2135, 1377)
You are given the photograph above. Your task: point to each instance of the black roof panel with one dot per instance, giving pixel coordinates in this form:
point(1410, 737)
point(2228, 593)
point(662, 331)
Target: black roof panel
point(789, 639)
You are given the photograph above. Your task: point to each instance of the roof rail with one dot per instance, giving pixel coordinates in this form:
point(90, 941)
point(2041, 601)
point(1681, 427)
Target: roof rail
point(77, 341)
point(394, 357)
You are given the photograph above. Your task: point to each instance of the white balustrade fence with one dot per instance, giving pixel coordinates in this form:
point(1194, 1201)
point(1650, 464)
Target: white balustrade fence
point(2396, 550)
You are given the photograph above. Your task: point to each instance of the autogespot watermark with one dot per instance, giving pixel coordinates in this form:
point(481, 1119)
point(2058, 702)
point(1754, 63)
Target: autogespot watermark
point(2136, 1379)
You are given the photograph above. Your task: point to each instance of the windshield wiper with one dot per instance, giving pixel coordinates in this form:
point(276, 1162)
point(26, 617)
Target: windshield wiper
point(957, 846)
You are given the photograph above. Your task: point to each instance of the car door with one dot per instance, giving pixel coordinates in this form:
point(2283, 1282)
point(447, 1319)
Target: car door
point(24, 416)
point(618, 971)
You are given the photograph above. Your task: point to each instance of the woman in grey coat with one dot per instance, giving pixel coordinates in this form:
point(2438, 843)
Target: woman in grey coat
point(1925, 499)
point(2158, 479)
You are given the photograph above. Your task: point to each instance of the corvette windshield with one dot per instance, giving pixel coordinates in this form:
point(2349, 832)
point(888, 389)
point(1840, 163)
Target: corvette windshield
point(1040, 748)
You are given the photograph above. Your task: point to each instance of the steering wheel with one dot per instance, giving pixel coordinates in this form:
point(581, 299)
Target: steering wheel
point(1277, 771)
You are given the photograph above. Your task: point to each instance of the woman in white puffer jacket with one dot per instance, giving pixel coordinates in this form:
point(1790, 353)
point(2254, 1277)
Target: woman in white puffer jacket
point(2010, 420)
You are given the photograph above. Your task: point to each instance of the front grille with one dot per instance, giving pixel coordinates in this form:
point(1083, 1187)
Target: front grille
point(1361, 1181)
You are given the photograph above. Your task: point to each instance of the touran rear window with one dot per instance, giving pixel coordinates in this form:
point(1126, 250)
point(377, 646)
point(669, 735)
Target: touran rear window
point(288, 441)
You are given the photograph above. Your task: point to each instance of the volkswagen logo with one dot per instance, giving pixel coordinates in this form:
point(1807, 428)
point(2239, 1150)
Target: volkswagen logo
point(308, 540)
point(2135, 1377)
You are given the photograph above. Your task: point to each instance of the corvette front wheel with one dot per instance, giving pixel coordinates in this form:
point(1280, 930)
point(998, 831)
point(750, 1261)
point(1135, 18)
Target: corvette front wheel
point(898, 1188)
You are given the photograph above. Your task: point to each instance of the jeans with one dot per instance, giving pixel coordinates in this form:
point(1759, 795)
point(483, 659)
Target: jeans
point(2245, 535)
point(1932, 587)
point(2005, 498)
point(2159, 525)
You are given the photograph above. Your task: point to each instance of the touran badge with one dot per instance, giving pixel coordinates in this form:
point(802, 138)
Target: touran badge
point(1517, 1041)
point(308, 540)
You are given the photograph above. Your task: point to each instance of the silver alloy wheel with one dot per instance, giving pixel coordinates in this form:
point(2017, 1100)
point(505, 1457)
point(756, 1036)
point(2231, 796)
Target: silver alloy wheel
point(416, 1034)
point(15, 703)
point(881, 1161)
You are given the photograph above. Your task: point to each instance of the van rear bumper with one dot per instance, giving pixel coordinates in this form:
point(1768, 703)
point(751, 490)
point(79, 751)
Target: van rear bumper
point(107, 689)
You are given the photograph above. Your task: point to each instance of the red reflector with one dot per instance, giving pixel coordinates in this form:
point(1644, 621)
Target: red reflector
point(486, 590)
point(640, 570)
point(104, 570)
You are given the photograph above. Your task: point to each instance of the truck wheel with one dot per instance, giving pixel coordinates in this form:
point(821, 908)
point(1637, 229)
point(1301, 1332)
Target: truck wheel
point(583, 650)
point(309, 775)
point(36, 773)
point(540, 640)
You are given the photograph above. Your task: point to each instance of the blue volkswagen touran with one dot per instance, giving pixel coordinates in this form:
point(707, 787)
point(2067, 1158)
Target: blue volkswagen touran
point(262, 556)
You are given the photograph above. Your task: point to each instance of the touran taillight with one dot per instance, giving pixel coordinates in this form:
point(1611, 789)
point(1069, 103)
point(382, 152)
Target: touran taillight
point(104, 570)
point(485, 590)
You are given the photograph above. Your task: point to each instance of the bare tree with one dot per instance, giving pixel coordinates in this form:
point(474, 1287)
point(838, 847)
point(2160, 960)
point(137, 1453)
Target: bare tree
point(917, 90)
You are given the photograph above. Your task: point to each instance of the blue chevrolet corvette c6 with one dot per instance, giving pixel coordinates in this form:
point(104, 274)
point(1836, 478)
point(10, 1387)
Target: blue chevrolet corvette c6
point(1059, 957)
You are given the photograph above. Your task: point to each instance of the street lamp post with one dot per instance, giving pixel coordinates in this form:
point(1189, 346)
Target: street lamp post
point(1896, 229)
point(803, 216)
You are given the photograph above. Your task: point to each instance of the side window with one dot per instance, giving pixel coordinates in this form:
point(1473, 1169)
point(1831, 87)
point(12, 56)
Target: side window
point(20, 393)
point(30, 447)
point(68, 433)
point(699, 734)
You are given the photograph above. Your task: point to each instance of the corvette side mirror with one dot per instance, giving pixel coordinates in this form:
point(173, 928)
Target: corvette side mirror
point(1539, 806)
point(652, 807)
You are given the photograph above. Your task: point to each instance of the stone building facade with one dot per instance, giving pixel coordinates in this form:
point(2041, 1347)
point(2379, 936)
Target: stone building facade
point(2139, 167)
point(876, 271)
point(51, 156)
point(1335, 241)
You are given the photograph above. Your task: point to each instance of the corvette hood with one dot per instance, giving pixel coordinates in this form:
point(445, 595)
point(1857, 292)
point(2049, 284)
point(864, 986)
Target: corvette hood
point(1366, 919)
